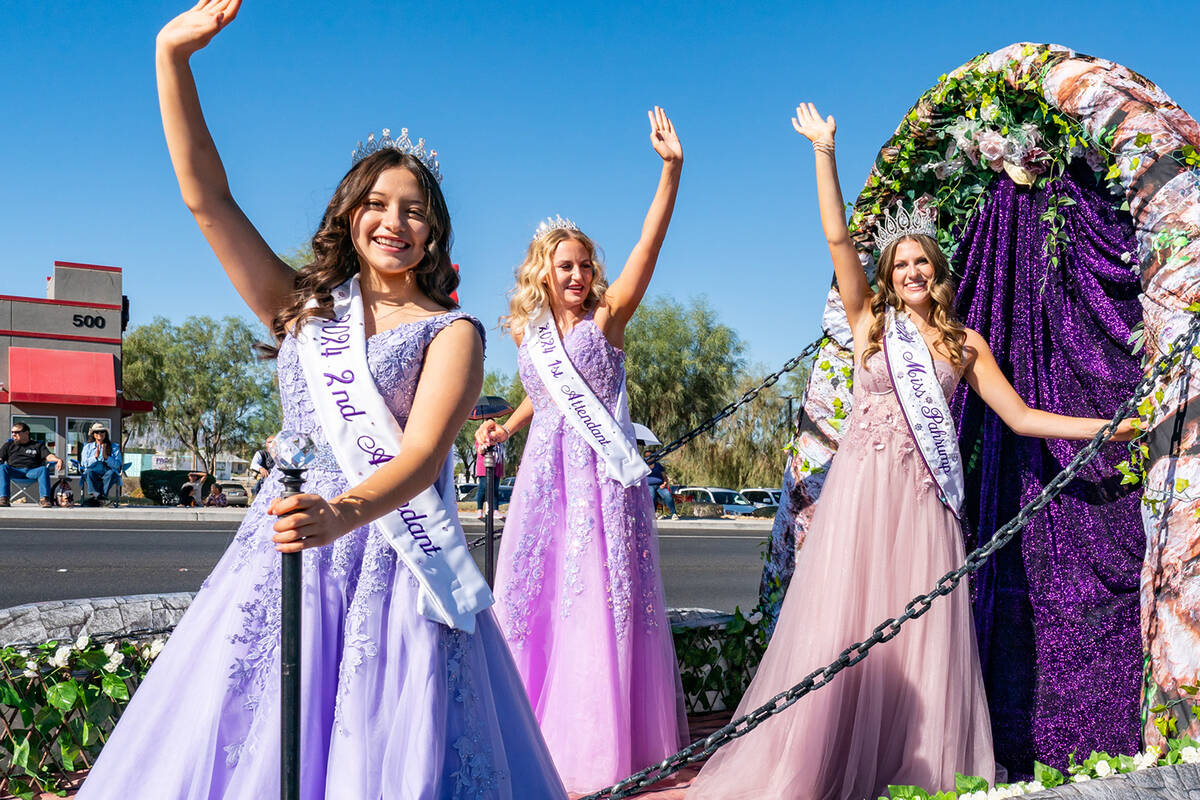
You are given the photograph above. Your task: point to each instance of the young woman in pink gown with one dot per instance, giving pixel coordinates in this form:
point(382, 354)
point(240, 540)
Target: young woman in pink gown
point(578, 590)
point(914, 711)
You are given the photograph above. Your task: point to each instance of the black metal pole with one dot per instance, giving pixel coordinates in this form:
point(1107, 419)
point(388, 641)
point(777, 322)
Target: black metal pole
point(289, 658)
point(489, 545)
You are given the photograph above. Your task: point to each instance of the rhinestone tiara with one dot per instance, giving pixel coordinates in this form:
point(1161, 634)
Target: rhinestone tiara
point(403, 144)
point(896, 226)
point(555, 223)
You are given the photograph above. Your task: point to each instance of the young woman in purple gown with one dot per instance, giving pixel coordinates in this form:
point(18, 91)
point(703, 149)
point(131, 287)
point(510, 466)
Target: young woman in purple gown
point(914, 711)
point(579, 594)
point(395, 705)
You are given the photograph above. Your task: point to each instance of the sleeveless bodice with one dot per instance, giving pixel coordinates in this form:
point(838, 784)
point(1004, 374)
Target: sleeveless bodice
point(395, 358)
point(876, 424)
point(600, 364)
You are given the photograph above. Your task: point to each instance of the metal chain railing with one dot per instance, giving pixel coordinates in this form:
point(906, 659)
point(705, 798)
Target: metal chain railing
point(712, 421)
point(888, 629)
point(728, 410)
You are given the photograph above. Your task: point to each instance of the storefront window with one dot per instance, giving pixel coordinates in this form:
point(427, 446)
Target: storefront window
point(77, 436)
point(41, 429)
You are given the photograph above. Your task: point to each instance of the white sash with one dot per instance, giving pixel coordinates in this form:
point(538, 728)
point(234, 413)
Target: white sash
point(910, 365)
point(613, 441)
point(363, 434)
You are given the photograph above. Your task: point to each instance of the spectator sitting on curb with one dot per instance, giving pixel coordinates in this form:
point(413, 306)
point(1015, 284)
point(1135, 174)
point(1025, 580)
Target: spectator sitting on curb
point(24, 459)
point(262, 463)
point(660, 487)
point(190, 492)
point(101, 465)
point(216, 498)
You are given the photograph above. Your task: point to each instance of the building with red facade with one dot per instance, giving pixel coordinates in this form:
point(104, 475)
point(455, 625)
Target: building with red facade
point(60, 357)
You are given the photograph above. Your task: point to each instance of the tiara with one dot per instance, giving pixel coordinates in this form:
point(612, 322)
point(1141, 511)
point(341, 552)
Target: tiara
point(403, 144)
point(555, 223)
point(896, 226)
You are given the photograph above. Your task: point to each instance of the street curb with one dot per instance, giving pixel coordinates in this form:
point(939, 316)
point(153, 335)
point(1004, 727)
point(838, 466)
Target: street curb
point(124, 514)
point(169, 514)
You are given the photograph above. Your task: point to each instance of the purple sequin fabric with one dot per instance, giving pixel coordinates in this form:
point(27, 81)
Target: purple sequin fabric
point(1057, 609)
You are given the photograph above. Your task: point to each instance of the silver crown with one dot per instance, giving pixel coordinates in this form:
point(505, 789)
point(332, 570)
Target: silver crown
point(403, 144)
point(896, 226)
point(555, 223)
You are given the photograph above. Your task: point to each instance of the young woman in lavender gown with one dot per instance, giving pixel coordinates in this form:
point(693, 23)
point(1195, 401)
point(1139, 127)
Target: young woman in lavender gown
point(579, 594)
point(395, 704)
point(885, 530)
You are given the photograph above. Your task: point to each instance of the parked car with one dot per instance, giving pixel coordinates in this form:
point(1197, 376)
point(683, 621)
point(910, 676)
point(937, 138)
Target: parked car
point(728, 499)
point(466, 491)
point(235, 493)
point(510, 481)
point(763, 497)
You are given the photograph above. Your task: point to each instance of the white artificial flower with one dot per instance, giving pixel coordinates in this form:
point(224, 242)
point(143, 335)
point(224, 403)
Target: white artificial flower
point(61, 656)
point(1080, 778)
point(23, 653)
point(29, 673)
point(1190, 755)
point(1034, 786)
point(110, 648)
point(156, 647)
point(989, 112)
point(1146, 760)
point(980, 795)
point(81, 642)
point(1103, 769)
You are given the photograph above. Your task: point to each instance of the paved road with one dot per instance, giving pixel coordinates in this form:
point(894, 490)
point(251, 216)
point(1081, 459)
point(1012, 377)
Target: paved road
point(56, 560)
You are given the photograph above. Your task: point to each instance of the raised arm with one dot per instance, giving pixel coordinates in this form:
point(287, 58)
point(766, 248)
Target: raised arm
point(446, 392)
point(626, 292)
point(986, 378)
point(259, 276)
point(851, 280)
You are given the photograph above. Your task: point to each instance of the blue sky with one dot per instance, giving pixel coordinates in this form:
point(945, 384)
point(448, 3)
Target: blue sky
point(536, 108)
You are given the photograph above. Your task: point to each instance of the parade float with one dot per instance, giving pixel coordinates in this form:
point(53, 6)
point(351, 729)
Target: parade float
point(1068, 194)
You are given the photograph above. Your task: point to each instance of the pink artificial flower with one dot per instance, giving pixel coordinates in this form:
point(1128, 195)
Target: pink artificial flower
point(991, 148)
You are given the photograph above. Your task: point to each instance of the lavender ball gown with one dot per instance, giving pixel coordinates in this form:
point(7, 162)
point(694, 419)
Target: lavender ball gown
point(395, 706)
point(914, 712)
point(579, 595)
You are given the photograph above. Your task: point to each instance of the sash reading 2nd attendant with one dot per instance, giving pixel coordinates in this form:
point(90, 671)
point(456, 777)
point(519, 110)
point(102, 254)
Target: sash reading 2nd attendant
point(611, 440)
point(925, 409)
point(425, 532)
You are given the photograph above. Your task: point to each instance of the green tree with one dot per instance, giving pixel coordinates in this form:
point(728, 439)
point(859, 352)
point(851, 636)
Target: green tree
point(682, 364)
point(745, 449)
point(210, 393)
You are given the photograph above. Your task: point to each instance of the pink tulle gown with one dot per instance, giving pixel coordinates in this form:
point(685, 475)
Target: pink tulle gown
point(914, 711)
point(579, 595)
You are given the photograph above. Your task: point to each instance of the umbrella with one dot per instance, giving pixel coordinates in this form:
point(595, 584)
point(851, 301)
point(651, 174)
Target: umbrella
point(644, 434)
point(489, 406)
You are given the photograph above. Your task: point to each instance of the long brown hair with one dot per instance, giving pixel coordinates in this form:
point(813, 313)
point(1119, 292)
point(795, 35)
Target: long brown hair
point(335, 260)
point(941, 295)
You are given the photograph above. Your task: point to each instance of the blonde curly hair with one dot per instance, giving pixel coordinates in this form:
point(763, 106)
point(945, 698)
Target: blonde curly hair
point(941, 295)
point(531, 291)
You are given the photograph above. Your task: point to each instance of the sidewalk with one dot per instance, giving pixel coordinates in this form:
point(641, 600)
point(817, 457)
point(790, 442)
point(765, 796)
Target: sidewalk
point(32, 511)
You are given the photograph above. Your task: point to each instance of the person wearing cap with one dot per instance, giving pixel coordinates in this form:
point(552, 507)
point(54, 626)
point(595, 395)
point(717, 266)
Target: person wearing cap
point(25, 459)
point(101, 465)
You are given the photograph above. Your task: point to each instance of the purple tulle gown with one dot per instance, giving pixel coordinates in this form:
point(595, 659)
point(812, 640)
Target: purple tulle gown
point(579, 595)
point(395, 706)
point(914, 711)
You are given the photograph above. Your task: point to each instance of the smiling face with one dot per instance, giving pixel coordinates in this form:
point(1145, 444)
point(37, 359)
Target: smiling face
point(912, 273)
point(389, 229)
point(571, 275)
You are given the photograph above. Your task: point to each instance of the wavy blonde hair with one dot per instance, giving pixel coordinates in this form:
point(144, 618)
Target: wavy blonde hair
point(531, 291)
point(941, 294)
